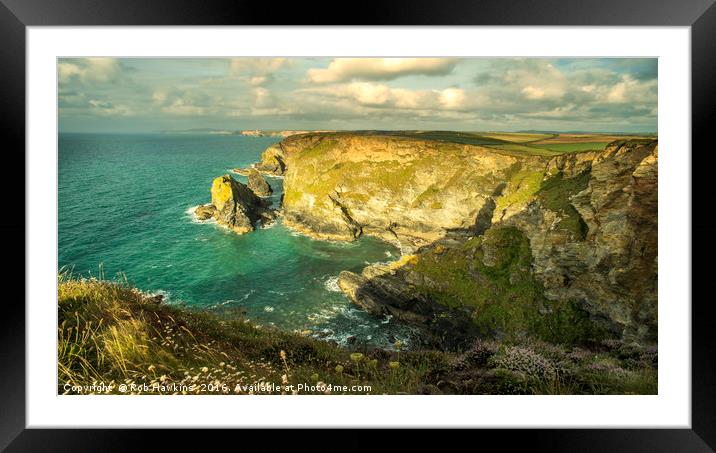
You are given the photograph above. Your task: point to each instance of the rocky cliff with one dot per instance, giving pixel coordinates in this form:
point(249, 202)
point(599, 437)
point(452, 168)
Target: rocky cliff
point(506, 242)
point(408, 191)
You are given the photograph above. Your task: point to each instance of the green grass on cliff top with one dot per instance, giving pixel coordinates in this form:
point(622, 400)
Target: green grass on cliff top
point(113, 334)
point(513, 142)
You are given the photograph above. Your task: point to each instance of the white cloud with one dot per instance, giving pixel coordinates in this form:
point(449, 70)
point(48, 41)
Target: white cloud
point(105, 108)
point(256, 71)
point(531, 92)
point(89, 70)
point(452, 98)
point(262, 98)
point(632, 90)
point(362, 93)
point(182, 102)
point(363, 99)
point(346, 69)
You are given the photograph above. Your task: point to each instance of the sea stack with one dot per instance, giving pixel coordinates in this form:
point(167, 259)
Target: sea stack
point(235, 206)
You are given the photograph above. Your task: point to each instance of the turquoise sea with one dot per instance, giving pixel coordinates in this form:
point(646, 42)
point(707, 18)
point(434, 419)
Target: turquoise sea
point(125, 204)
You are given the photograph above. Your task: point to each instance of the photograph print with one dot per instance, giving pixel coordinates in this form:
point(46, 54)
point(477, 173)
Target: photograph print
point(364, 226)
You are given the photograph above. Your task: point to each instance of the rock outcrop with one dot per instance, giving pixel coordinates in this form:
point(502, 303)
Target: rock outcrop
point(205, 212)
point(273, 160)
point(407, 191)
point(235, 206)
point(258, 184)
point(610, 266)
point(517, 243)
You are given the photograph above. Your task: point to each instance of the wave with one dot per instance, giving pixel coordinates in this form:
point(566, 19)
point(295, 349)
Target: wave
point(190, 212)
point(266, 227)
point(331, 284)
point(160, 292)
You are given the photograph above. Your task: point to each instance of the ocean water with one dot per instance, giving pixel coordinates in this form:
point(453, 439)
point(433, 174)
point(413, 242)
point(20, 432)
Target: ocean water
point(125, 209)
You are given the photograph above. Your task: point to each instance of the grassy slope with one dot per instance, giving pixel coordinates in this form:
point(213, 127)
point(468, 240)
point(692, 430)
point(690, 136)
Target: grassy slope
point(111, 333)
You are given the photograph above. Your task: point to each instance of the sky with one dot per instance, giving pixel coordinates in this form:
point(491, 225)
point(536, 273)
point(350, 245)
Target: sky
point(468, 94)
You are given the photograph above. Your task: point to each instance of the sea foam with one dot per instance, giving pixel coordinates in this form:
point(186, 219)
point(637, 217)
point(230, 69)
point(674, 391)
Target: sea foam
point(332, 284)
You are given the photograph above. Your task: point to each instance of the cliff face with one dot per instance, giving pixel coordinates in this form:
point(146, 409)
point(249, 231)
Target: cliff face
point(510, 243)
point(399, 189)
point(592, 227)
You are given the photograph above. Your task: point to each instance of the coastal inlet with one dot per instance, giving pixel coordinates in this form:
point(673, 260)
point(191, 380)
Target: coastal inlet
point(126, 205)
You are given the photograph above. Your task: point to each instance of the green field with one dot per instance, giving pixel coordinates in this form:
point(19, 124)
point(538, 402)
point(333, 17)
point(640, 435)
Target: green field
point(539, 144)
point(573, 147)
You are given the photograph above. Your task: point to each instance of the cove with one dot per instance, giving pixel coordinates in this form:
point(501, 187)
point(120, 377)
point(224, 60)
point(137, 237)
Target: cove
point(125, 205)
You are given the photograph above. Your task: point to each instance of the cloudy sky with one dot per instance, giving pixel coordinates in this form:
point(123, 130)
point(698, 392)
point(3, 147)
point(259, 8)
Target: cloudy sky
point(487, 94)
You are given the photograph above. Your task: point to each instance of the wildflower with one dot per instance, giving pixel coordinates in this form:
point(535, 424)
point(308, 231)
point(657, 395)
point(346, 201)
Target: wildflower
point(394, 365)
point(282, 354)
point(524, 360)
point(151, 368)
point(356, 357)
point(221, 364)
point(204, 369)
point(163, 377)
point(339, 368)
point(398, 344)
point(284, 379)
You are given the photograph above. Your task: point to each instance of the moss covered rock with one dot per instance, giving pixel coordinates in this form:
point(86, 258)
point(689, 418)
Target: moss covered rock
point(237, 207)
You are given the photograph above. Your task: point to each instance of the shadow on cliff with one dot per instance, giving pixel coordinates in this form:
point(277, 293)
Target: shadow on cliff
point(483, 221)
point(442, 327)
point(597, 274)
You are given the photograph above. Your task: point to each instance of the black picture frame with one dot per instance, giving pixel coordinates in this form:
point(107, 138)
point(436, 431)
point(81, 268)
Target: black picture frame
point(700, 15)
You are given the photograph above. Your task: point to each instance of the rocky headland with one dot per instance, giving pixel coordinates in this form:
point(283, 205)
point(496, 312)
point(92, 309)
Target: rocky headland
point(496, 242)
point(272, 162)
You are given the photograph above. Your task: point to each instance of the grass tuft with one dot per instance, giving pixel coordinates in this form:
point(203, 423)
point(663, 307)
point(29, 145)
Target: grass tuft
point(110, 333)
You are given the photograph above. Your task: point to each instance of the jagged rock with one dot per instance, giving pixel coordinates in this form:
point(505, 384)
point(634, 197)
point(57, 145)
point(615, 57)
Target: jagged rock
point(205, 212)
point(243, 171)
point(258, 184)
point(272, 160)
point(382, 291)
point(237, 207)
point(155, 299)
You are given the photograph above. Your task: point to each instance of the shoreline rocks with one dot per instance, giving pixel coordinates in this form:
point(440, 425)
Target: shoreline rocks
point(205, 212)
point(257, 183)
